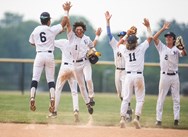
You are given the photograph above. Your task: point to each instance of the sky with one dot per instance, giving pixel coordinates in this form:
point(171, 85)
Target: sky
point(125, 13)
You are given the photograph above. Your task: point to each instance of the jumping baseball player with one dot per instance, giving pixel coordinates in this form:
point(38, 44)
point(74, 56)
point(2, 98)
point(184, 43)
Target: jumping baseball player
point(43, 38)
point(80, 44)
point(66, 74)
point(119, 62)
point(134, 80)
point(169, 78)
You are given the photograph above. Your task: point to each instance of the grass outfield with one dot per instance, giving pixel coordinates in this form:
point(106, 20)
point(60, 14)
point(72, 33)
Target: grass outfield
point(14, 107)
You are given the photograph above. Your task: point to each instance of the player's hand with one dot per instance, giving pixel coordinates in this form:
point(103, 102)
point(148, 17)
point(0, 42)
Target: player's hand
point(108, 16)
point(146, 22)
point(67, 6)
point(98, 31)
point(166, 25)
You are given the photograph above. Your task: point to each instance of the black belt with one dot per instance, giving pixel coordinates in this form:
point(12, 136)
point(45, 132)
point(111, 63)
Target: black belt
point(120, 68)
point(129, 72)
point(49, 51)
point(65, 63)
point(80, 60)
point(170, 74)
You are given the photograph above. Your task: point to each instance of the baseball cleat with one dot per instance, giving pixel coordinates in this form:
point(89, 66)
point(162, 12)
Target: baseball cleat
point(158, 123)
point(92, 102)
point(136, 123)
point(176, 122)
point(52, 115)
point(122, 122)
point(90, 109)
point(52, 105)
point(32, 104)
point(76, 116)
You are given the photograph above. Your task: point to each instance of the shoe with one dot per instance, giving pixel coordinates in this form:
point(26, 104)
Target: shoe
point(52, 115)
point(158, 123)
point(32, 104)
point(76, 116)
point(52, 105)
point(122, 122)
point(136, 123)
point(92, 102)
point(90, 109)
point(176, 122)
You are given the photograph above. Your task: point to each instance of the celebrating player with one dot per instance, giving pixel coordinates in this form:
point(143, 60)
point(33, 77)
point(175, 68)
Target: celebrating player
point(119, 62)
point(80, 44)
point(43, 39)
point(169, 78)
point(134, 64)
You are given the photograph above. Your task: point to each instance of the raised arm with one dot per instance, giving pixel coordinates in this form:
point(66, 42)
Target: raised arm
point(147, 24)
point(97, 33)
point(66, 7)
point(156, 36)
point(108, 17)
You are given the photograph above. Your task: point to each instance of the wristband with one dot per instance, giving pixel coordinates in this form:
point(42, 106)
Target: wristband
point(97, 37)
point(66, 13)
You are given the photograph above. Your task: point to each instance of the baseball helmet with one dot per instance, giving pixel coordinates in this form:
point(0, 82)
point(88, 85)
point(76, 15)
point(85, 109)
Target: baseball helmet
point(44, 16)
point(170, 34)
point(122, 33)
point(132, 39)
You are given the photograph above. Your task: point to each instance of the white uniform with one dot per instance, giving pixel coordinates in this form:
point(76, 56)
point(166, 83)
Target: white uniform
point(43, 37)
point(82, 66)
point(120, 67)
point(66, 66)
point(169, 79)
point(134, 64)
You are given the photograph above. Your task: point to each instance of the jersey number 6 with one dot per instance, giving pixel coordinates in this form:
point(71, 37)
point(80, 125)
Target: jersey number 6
point(42, 36)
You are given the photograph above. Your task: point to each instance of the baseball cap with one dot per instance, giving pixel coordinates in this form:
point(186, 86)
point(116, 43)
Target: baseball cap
point(132, 39)
point(45, 15)
point(170, 34)
point(122, 33)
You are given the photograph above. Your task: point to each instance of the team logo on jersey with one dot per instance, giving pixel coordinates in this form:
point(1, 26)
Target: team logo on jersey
point(119, 54)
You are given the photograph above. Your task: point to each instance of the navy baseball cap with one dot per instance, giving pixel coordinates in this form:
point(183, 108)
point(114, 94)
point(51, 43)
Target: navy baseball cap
point(132, 39)
point(45, 15)
point(170, 34)
point(122, 33)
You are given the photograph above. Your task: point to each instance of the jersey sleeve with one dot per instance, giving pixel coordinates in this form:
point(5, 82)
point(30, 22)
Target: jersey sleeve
point(31, 39)
point(56, 29)
point(61, 42)
point(159, 46)
point(113, 43)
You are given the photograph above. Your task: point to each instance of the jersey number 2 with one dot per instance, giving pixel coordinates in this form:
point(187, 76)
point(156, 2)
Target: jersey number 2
point(132, 57)
point(42, 36)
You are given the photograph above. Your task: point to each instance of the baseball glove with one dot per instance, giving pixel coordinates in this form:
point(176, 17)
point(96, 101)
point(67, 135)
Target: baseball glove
point(179, 43)
point(132, 31)
point(93, 56)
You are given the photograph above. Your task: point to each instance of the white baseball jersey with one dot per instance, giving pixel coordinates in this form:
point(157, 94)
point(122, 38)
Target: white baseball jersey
point(134, 59)
point(63, 45)
point(169, 58)
point(79, 46)
point(118, 57)
point(43, 37)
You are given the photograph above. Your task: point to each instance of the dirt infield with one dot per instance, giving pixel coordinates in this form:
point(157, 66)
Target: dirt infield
point(52, 130)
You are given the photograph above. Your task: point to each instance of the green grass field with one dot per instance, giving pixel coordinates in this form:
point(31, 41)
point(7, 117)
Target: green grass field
point(14, 108)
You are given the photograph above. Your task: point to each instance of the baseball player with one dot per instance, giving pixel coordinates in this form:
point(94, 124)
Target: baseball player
point(119, 62)
point(134, 80)
point(80, 44)
point(43, 39)
point(66, 74)
point(169, 78)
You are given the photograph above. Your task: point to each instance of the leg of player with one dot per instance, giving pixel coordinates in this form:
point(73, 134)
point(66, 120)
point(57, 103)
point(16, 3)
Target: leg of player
point(88, 77)
point(81, 83)
point(73, 86)
point(34, 85)
point(52, 96)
